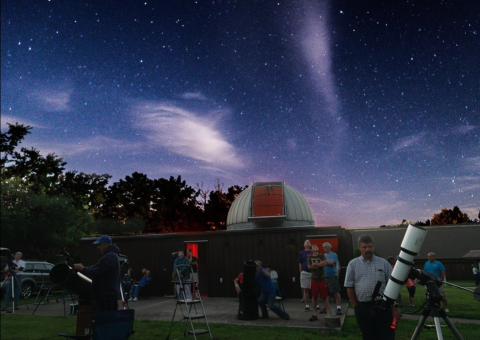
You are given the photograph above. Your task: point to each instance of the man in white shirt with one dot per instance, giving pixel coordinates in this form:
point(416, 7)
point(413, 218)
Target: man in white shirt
point(16, 272)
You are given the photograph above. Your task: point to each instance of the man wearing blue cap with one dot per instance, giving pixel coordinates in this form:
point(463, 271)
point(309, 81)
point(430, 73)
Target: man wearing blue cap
point(105, 275)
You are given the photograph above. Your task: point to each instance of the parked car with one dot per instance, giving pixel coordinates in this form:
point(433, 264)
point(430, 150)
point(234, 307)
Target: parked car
point(35, 275)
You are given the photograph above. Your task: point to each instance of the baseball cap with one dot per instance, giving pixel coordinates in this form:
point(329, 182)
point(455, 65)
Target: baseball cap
point(103, 239)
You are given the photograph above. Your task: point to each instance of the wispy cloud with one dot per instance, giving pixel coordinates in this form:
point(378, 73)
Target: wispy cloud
point(315, 42)
point(472, 163)
point(413, 142)
point(316, 49)
point(463, 129)
point(53, 100)
point(186, 133)
point(7, 119)
point(93, 145)
point(192, 96)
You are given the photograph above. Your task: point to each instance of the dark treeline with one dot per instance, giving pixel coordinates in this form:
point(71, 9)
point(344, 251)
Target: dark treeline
point(44, 207)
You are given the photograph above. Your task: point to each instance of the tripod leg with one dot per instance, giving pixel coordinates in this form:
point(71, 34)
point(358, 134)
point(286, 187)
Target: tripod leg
point(20, 292)
point(122, 295)
point(438, 328)
point(40, 302)
point(450, 325)
point(16, 285)
point(14, 280)
point(421, 323)
point(63, 299)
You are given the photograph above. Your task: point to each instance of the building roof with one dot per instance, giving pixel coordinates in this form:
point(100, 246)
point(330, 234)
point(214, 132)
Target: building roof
point(269, 204)
point(472, 254)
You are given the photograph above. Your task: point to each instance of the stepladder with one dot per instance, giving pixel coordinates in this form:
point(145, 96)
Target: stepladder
point(189, 304)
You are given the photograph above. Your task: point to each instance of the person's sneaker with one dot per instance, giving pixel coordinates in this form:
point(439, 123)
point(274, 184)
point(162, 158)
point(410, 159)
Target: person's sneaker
point(286, 317)
point(339, 311)
point(307, 308)
point(313, 318)
point(135, 299)
point(413, 306)
point(446, 310)
point(263, 317)
point(130, 299)
point(322, 311)
point(318, 307)
point(303, 301)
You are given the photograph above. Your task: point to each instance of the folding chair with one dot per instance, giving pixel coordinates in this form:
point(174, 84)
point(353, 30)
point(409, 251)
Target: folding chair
point(116, 325)
point(278, 297)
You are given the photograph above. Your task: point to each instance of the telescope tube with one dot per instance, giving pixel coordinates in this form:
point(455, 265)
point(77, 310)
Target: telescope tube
point(64, 276)
point(410, 247)
point(248, 304)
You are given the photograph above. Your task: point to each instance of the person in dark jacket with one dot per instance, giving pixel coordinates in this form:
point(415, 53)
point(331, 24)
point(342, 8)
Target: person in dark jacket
point(105, 275)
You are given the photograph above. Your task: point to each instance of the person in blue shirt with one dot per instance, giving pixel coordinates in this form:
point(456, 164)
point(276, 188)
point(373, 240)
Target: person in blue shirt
point(332, 269)
point(437, 268)
point(268, 293)
point(182, 266)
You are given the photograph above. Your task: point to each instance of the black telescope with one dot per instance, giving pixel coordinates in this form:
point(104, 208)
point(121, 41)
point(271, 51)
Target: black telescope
point(248, 304)
point(64, 276)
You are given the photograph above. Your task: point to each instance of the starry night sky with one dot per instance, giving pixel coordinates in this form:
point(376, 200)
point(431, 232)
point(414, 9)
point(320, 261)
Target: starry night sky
point(369, 109)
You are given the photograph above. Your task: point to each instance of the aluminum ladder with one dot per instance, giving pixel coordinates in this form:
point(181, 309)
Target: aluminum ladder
point(188, 308)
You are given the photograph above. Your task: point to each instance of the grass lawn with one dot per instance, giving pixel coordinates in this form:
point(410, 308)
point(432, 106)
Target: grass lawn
point(461, 305)
point(21, 327)
point(460, 302)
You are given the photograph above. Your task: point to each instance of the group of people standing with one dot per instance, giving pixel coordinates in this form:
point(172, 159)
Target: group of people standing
point(319, 276)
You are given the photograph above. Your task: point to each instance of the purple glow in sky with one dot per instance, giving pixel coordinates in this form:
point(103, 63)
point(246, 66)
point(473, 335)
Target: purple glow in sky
point(369, 109)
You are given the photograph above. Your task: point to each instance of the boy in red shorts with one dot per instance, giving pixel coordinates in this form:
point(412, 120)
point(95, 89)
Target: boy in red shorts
point(315, 263)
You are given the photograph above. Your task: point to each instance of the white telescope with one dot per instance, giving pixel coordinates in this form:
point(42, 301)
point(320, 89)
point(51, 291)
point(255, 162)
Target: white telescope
point(410, 247)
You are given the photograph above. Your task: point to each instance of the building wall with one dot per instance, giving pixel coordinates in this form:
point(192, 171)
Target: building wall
point(222, 256)
point(449, 243)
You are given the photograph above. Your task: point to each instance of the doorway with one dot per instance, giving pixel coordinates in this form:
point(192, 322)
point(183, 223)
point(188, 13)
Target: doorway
point(199, 250)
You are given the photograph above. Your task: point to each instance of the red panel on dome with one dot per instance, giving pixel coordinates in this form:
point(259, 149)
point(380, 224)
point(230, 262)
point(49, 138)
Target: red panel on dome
point(268, 201)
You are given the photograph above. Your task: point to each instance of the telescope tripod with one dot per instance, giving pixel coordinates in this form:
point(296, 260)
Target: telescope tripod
point(433, 308)
point(13, 284)
point(51, 287)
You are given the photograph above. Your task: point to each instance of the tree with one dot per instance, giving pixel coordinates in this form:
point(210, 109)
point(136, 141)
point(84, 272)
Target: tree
point(10, 140)
point(41, 173)
point(449, 216)
point(131, 225)
point(87, 191)
point(219, 203)
point(176, 207)
point(132, 197)
point(203, 195)
point(422, 224)
point(39, 224)
point(216, 210)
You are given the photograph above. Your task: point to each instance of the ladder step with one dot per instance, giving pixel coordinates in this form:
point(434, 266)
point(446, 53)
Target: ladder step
point(195, 317)
point(188, 301)
point(199, 331)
